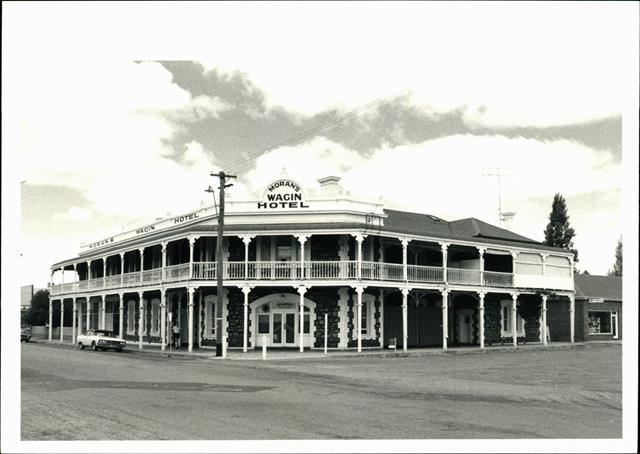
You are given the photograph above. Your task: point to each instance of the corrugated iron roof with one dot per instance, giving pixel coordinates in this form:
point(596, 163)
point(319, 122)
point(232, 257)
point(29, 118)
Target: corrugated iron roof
point(606, 287)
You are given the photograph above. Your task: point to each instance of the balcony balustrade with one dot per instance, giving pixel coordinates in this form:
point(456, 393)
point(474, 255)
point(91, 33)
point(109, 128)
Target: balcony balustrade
point(430, 274)
point(112, 281)
point(287, 271)
point(176, 273)
point(463, 276)
point(496, 279)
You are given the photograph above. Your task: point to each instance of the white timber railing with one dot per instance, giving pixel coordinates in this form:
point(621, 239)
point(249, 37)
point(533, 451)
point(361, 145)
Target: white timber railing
point(419, 273)
point(175, 273)
point(273, 270)
point(463, 276)
point(498, 279)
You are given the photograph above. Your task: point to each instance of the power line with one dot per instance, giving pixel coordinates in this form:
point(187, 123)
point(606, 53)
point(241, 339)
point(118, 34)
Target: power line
point(242, 164)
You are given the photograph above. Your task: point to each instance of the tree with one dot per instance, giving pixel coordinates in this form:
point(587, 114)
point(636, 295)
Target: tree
point(559, 232)
point(585, 272)
point(617, 266)
point(38, 313)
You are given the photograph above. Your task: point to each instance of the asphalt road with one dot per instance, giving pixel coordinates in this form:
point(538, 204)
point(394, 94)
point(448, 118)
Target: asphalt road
point(68, 394)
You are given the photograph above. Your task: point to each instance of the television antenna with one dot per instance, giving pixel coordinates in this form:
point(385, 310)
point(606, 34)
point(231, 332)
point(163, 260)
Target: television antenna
point(498, 172)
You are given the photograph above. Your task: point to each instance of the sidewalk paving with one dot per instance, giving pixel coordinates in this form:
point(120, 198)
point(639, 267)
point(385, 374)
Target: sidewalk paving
point(281, 354)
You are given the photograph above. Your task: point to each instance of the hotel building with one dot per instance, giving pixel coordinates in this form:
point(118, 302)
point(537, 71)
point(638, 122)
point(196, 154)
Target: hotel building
point(379, 277)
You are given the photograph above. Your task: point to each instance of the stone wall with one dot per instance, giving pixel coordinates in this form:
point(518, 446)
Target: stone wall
point(530, 308)
point(492, 321)
point(326, 299)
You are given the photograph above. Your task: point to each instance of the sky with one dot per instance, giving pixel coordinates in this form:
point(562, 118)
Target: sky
point(109, 135)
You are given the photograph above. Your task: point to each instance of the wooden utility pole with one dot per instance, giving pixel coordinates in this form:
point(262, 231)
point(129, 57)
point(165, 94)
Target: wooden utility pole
point(219, 264)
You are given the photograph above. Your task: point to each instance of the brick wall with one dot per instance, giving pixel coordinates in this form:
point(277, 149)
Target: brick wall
point(492, 321)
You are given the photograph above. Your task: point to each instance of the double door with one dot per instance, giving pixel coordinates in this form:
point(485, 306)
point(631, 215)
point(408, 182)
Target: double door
point(283, 328)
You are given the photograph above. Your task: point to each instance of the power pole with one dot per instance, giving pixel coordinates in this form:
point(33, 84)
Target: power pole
point(219, 265)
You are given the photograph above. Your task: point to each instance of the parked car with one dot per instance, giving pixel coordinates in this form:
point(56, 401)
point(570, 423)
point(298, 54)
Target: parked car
point(25, 333)
point(100, 339)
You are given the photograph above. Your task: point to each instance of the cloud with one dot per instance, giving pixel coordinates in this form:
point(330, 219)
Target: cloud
point(514, 67)
point(106, 131)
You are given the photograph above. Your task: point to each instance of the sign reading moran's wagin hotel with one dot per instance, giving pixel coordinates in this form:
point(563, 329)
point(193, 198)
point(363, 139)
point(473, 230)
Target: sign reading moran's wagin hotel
point(282, 194)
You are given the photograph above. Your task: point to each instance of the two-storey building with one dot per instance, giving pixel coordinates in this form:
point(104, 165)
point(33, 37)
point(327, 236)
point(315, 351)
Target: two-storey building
point(382, 277)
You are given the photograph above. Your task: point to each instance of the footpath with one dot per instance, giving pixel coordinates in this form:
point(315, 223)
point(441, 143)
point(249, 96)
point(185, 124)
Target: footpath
point(290, 354)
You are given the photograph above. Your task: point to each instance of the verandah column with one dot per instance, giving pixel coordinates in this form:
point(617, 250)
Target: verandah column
point(445, 317)
point(514, 321)
point(245, 319)
point(481, 296)
point(190, 314)
point(359, 239)
point(163, 318)
point(246, 240)
point(61, 319)
point(302, 239)
point(405, 244)
point(192, 241)
point(88, 312)
point(572, 317)
point(73, 321)
point(301, 290)
point(51, 307)
point(141, 264)
point(359, 290)
point(103, 314)
point(444, 247)
point(405, 295)
point(79, 319)
point(121, 315)
point(140, 318)
point(544, 320)
point(481, 252)
point(122, 269)
point(163, 246)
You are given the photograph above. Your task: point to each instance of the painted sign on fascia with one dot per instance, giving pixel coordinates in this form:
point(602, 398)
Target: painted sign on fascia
point(282, 193)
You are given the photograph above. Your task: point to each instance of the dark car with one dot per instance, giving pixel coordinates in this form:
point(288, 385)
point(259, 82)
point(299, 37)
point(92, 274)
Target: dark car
point(25, 333)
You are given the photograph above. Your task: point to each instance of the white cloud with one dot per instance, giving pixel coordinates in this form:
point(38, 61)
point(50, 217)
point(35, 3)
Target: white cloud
point(105, 130)
point(500, 65)
point(444, 177)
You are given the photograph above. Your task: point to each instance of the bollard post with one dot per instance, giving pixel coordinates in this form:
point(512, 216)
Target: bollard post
point(224, 347)
point(326, 330)
point(264, 346)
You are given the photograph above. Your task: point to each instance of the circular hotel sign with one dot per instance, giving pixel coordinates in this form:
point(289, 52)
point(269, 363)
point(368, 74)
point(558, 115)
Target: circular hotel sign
point(282, 193)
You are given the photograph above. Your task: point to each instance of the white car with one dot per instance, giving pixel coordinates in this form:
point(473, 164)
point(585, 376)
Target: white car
point(100, 339)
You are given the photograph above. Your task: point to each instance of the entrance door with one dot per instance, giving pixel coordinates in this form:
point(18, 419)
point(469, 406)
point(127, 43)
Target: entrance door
point(283, 329)
point(464, 326)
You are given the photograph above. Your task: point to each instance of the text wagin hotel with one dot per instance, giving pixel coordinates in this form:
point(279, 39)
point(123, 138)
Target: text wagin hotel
point(379, 275)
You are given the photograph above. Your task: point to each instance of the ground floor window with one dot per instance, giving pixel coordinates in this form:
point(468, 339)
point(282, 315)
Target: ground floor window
point(505, 318)
point(210, 316)
point(600, 323)
point(155, 316)
point(366, 316)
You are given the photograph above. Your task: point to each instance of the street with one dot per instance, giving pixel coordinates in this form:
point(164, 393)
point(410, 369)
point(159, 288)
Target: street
point(69, 394)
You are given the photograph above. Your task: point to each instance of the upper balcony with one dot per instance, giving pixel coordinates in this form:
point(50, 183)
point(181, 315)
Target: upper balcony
point(263, 271)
